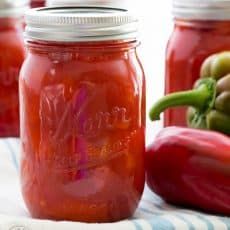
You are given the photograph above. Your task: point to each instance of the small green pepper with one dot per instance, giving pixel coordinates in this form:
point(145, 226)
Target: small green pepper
point(209, 100)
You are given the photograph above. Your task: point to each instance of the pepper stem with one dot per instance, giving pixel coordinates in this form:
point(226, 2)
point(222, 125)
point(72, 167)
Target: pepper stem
point(201, 98)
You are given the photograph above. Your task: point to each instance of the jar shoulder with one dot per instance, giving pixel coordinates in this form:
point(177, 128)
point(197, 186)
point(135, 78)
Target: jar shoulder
point(71, 67)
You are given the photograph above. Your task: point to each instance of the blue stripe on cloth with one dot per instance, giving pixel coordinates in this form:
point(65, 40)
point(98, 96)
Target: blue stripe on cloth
point(12, 153)
point(178, 215)
point(207, 222)
point(150, 211)
point(162, 205)
point(158, 223)
point(226, 221)
point(137, 225)
point(189, 223)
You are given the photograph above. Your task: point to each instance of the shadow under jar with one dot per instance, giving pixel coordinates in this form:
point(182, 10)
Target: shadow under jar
point(201, 29)
point(82, 97)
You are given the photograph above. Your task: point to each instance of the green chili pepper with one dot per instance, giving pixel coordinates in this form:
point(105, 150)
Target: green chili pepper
point(209, 101)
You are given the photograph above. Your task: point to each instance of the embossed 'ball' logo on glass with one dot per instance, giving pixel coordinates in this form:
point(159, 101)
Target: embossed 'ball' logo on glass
point(78, 115)
point(106, 121)
point(84, 125)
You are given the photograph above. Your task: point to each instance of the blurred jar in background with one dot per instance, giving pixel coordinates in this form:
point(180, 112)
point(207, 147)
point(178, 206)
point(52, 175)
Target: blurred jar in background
point(201, 28)
point(37, 3)
point(12, 54)
point(122, 4)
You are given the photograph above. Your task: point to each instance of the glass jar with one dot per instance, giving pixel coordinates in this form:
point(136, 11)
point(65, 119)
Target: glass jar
point(201, 28)
point(12, 54)
point(82, 97)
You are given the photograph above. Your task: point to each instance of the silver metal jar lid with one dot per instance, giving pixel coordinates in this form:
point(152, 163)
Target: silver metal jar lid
point(202, 9)
point(121, 4)
point(71, 24)
point(13, 8)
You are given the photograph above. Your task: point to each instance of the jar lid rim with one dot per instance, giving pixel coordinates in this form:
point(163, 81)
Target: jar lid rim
point(80, 24)
point(202, 10)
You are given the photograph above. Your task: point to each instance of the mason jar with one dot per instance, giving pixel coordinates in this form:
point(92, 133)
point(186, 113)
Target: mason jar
point(82, 97)
point(12, 54)
point(201, 29)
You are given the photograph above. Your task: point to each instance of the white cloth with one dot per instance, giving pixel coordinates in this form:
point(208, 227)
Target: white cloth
point(152, 213)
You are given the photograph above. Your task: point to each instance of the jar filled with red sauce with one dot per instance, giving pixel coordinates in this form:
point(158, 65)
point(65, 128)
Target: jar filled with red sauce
point(82, 97)
point(12, 55)
point(201, 28)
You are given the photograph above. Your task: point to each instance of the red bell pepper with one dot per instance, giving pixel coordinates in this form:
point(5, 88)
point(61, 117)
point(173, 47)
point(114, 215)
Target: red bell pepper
point(191, 168)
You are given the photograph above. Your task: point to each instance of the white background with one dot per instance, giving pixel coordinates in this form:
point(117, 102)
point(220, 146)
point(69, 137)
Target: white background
point(156, 28)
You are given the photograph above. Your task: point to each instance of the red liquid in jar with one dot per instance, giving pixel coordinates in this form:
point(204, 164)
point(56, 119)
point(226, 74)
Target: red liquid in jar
point(12, 54)
point(37, 3)
point(190, 44)
point(83, 130)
